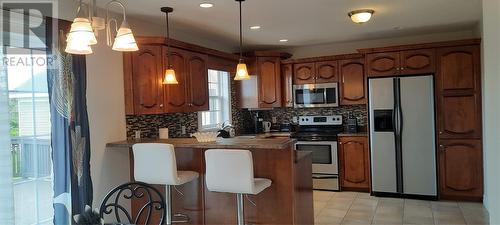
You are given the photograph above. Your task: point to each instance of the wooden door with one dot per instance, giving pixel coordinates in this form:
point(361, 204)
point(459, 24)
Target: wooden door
point(352, 82)
point(198, 82)
point(354, 163)
point(460, 169)
point(176, 94)
point(459, 116)
point(304, 73)
point(287, 84)
point(458, 69)
point(421, 61)
point(459, 92)
point(269, 82)
point(327, 72)
point(146, 80)
point(383, 64)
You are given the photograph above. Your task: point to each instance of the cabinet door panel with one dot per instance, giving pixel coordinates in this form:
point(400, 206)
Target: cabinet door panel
point(354, 165)
point(327, 72)
point(176, 94)
point(287, 85)
point(352, 78)
point(198, 82)
point(420, 61)
point(269, 82)
point(303, 73)
point(459, 116)
point(383, 64)
point(458, 68)
point(146, 80)
point(460, 168)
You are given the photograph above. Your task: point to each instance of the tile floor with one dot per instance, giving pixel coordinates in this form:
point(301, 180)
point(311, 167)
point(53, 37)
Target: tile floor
point(334, 208)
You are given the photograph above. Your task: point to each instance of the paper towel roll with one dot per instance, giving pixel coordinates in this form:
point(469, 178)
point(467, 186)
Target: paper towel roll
point(163, 133)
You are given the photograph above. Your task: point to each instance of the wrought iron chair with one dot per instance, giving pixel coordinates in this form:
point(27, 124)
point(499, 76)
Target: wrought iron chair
point(113, 203)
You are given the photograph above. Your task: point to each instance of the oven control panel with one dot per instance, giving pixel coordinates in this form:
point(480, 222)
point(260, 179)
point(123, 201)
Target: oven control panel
point(320, 120)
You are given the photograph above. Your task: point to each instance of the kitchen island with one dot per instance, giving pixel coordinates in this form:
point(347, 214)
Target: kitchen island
point(287, 201)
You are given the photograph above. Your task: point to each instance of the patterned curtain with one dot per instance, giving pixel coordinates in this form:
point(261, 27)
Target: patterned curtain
point(70, 131)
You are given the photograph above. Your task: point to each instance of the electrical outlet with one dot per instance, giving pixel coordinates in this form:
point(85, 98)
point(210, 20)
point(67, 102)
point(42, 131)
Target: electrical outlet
point(274, 119)
point(183, 129)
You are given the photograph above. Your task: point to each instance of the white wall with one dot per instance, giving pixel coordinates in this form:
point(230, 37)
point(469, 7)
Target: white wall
point(491, 107)
point(351, 47)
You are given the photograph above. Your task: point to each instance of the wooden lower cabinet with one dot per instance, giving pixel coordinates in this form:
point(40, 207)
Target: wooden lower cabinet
point(460, 169)
point(354, 163)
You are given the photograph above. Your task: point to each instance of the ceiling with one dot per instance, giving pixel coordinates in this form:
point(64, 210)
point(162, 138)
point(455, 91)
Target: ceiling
point(309, 22)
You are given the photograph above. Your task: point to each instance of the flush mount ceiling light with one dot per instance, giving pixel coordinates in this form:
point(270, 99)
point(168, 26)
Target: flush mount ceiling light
point(256, 27)
point(206, 5)
point(241, 69)
point(85, 28)
point(361, 16)
point(169, 72)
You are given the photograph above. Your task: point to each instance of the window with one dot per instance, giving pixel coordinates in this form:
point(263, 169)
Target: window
point(220, 101)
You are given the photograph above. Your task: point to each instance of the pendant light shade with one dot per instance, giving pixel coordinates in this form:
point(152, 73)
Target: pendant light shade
point(170, 77)
point(169, 72)
point(241, 68)
point(241, 72)
point(125, 41)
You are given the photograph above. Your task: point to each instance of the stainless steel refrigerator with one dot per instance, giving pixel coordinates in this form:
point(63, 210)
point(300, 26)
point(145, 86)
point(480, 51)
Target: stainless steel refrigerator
point(402, 139)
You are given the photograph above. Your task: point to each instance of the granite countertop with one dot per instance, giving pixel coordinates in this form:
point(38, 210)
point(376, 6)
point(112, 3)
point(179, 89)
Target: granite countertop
point(237, 142)
point(359, 134)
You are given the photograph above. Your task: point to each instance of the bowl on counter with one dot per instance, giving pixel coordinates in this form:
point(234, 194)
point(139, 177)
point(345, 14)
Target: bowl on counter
point(207, 136)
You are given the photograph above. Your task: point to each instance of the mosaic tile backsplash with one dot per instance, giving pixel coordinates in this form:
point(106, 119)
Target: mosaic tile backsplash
point(242, 119)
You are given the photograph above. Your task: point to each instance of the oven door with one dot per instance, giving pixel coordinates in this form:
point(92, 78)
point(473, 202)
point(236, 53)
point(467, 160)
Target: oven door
point(315, 95)
point(324, 155)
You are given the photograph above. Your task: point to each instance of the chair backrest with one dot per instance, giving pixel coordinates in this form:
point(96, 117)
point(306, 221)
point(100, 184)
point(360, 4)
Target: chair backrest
point(229, 170)
point(115, 202)
point(154, 163)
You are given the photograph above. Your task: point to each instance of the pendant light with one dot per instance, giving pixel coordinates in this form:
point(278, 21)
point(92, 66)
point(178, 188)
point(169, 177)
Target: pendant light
point(169, 72)
point(241, 69)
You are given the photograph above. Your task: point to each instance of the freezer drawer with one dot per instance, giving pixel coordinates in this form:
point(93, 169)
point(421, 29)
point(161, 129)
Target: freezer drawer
point(328, 182)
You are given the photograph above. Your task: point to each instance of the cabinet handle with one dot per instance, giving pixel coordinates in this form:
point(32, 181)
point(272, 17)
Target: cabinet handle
point(340, 143)
point(161, 105)
point(440, 132)
point(402, 68)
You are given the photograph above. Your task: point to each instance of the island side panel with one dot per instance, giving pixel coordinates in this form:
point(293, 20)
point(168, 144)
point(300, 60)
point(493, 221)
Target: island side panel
point(303, 198)
point(274, 205)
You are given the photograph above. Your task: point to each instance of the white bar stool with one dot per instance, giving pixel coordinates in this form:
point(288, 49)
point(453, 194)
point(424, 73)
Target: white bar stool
point(231, 171)
point(154, 163)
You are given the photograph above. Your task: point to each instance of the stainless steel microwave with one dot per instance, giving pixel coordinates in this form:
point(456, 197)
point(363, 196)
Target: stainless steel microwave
point(316, 95)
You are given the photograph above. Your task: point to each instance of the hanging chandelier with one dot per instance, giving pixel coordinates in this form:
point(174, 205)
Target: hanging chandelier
point(85, 28)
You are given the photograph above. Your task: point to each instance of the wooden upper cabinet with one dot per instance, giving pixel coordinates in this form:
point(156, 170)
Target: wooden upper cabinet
point(383, 64)
point(326, 72)
point(352, 82)
point(268, 69)
point(145, 80)
point(198, 82)
point(460, 169)
point(287, 85)
point(410, 62)
point(176, 94)
point(304, 73)
point(459, 68)
point(354, 163)
point(421, 61)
